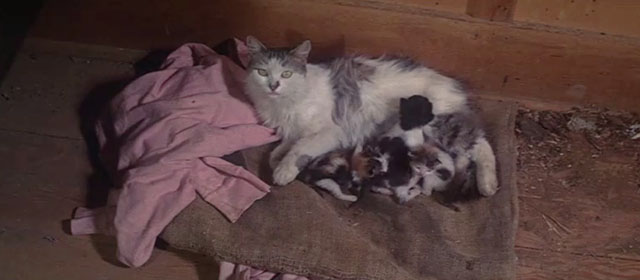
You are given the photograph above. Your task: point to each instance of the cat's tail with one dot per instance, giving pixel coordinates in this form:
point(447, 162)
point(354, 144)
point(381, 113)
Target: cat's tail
point(485, 160)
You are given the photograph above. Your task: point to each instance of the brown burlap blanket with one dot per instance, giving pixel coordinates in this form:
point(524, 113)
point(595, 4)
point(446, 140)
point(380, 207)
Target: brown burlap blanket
point(295, 230)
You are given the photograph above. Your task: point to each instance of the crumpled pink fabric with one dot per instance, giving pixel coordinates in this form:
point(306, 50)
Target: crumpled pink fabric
point(170, 128)
point(230, 271)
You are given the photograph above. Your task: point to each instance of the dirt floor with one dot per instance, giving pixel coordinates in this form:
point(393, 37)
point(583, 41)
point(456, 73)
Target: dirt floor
point(579, 183)
point(578, 179)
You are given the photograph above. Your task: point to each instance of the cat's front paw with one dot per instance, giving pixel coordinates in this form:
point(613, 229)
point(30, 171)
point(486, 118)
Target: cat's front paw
point(404, 195)
point(285, 173)
point(274, 159)
point(487, 185)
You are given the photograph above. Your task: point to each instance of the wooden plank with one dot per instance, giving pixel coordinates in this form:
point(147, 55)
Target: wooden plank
point(49, 82)
point(610, 16)
point(41, 180)
point(453, 6)
point(493, 10)
point(537, 264)
point(578, 202)
point(496, 59)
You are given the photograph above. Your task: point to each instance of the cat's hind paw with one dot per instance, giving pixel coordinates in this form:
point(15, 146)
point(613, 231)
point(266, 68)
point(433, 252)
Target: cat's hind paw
point(487, 185)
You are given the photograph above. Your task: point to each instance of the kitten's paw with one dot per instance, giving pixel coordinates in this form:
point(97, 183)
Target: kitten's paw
point(285, 173)
point(427, 191)
point(487, 185)
point(351, 198)
point(404, 196)
point(381, 190)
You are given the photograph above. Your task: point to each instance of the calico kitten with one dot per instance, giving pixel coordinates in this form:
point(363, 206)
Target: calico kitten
point(342, 173)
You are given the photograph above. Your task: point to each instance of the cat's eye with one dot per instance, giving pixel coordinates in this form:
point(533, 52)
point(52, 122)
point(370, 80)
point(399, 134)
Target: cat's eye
point(262, 72)
point(286, 74)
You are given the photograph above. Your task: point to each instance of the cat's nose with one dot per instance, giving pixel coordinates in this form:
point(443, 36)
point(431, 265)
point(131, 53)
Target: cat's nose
point(274, 86)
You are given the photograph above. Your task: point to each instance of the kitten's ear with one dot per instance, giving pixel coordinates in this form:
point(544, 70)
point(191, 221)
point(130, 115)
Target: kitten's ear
point(403, 101)
point(358, 149)
point(302, 51)
point(254, 45)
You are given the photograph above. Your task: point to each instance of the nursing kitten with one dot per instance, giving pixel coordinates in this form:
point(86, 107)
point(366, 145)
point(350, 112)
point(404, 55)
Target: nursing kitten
point(399, 180)
point(456, 155)
point(422, 162)
point(342, 173)
point(446, 159)
point(317, 108)
point(415, 112)
point(462, 136)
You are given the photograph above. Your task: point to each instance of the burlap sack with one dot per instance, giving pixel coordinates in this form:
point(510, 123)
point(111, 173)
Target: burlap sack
point(295, 230)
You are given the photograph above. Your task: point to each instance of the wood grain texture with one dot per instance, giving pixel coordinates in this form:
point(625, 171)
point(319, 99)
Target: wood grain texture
point(493, 10)
point(608, 16)
point(506, 60)
point(579, 200)
point(42, 179)
point(453, 6)
point(538, 264)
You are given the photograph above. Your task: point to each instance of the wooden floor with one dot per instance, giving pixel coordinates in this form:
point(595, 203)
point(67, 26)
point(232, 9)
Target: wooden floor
point(44, 173)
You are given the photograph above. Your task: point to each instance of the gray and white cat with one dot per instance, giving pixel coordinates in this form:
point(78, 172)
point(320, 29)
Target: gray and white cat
point(317, 108)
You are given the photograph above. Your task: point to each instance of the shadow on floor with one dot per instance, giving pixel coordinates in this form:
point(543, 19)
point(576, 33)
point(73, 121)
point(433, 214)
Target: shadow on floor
point(16, 17)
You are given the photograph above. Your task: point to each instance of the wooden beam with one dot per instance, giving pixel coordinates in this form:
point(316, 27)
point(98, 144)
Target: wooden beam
point(512, 60)
point(493, 10)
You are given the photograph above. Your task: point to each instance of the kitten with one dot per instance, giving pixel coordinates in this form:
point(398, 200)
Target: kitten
point(417, 161)
point(454, 151)
point(317, 108)
point(342, 173)
point(415, 112)
point(462, 136)
point(400, 179)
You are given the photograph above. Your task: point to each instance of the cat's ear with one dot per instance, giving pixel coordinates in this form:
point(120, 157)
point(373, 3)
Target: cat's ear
point(302, 50)
point(254, 45)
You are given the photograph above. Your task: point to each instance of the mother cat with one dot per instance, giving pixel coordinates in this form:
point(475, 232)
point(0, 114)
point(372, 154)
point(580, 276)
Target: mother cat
point(317, 108)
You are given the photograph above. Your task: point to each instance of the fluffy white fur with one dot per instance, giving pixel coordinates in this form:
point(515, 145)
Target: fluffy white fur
point(301, 108)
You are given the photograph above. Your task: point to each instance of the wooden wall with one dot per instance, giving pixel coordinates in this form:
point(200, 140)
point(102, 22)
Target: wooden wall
point(514, 49)
point(620, 17)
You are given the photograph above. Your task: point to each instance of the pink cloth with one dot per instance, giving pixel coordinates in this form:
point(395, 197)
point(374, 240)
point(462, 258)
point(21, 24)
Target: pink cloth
point(230, 271)
point(171, 128)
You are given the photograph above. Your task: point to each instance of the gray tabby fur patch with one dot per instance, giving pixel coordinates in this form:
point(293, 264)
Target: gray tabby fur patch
point(457, 132)
point(403, 62)
point(346, 74)
point(282, 55)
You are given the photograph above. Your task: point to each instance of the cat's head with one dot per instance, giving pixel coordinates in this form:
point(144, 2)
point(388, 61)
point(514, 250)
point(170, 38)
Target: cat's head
point(415, 111)
point(277, 72)
point(428, 160)
point(370, 161)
